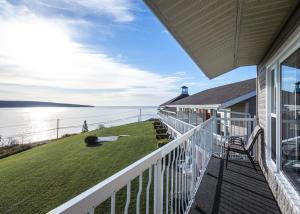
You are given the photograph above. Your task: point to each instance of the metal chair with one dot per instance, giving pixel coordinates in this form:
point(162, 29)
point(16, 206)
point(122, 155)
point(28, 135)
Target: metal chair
point(236, 144)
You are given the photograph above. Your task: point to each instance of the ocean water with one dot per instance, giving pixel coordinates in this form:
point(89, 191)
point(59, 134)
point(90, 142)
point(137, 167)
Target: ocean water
point(27, 125)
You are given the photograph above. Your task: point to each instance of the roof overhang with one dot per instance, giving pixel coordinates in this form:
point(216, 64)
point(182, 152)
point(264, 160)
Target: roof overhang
point(223, 35)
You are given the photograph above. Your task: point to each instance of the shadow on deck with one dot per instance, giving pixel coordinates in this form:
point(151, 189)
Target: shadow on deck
point(237, 189)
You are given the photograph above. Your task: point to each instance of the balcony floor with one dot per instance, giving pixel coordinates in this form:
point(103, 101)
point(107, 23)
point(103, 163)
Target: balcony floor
point(237, 189)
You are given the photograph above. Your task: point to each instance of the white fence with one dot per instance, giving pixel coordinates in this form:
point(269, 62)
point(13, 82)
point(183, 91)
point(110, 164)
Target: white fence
point(164, 181)
point(226, 127)
point(179, 125)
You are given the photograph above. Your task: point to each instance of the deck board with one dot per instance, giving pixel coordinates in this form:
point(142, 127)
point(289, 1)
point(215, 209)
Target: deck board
point(237, 189)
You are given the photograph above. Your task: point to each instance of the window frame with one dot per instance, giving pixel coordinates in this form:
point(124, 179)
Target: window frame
point(286, 50)
point(269, 114)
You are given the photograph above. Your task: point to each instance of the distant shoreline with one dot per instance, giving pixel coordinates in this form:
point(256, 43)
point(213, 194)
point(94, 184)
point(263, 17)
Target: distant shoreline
point(24, 104)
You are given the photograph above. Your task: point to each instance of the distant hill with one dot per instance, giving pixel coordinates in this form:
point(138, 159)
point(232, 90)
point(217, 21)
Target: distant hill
point(21, 104)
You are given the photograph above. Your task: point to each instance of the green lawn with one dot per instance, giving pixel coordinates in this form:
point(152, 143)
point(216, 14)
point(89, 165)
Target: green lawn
point(40, 179)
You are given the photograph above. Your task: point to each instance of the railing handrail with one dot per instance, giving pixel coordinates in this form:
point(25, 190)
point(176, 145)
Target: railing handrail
point(181, 121)
point(102, 191)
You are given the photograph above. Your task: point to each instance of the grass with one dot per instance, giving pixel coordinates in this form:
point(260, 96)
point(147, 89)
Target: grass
point(40, 179)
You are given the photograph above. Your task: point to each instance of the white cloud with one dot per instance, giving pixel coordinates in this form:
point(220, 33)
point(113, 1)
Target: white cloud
point(40, 52)
point(118, 10)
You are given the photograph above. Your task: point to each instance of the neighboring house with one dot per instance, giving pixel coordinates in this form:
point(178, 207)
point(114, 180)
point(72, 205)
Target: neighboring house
point(224, 35)
point(235, 97)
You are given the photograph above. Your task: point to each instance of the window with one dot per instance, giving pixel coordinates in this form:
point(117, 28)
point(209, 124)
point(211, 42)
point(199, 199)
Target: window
point(290, 118)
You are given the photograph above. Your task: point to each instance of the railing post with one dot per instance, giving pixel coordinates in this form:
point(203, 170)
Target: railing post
point(225, 124)
point(157, 188)
point(57, 127)
point(256, 145)
point(193, 144)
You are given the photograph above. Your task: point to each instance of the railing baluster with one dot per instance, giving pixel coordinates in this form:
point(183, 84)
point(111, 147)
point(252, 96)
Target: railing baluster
point(113, 203)
point(127, 198)
point(167, 183)
point(148, 190)
point(155, 190)
point(176, 178)
point(179, 179)
point(187, 169)
point(162, 186)
point(138, 198)
point(172, 179)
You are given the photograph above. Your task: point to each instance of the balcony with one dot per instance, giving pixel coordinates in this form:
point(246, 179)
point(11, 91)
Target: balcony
point(182, 176)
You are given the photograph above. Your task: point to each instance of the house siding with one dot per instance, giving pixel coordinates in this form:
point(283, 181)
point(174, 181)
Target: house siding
point(278, 185)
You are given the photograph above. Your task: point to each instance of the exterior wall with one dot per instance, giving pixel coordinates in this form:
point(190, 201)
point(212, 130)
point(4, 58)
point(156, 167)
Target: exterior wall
point(287, 201)
point(241, 107)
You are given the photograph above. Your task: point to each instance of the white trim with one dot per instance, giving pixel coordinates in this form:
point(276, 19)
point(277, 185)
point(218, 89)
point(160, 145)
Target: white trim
point(268, 119)
point(238, 99)
point(278, 118)
point(287, 49)
point(289, 46)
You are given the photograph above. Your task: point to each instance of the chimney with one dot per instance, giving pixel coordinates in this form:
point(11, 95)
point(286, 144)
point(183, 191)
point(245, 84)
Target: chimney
point(184, 90)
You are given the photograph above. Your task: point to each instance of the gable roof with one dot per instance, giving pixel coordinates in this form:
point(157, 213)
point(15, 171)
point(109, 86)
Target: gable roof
point(169, 102)
point(220, 95)
point(222, 35)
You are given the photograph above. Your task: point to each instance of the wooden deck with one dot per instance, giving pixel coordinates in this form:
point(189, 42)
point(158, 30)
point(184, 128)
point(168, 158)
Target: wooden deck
point(237, 189)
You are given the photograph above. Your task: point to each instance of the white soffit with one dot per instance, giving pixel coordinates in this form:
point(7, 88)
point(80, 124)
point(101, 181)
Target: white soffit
point(221, 35)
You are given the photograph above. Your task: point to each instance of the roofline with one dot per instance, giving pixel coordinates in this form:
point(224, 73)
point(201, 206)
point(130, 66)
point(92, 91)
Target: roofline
point(238, 99)
point(208, 106)
point(216, 106)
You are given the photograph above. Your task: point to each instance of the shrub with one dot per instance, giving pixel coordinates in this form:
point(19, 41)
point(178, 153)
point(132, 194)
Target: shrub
point(13, 149)
point(162, 143)
point(67, 135)
point(91, 140)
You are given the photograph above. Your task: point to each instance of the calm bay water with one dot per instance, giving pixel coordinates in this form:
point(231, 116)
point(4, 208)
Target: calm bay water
point(40, 123)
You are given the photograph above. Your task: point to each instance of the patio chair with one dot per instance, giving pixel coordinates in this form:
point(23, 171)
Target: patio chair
point(236, 144)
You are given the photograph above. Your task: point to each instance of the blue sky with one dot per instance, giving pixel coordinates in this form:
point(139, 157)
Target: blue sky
point(99, 52)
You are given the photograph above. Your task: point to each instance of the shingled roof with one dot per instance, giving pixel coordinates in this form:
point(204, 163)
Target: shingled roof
point(219, 95)
point(169, 102)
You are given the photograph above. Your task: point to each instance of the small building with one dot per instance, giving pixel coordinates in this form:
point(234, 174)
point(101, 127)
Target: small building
point(239, 97)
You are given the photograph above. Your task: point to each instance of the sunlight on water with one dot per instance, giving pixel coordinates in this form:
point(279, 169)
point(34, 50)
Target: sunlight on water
point(42, 119)
point(40, 123)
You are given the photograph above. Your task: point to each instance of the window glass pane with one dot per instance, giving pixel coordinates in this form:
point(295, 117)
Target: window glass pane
point(290, 118)
point(273, 138)
point(273, 92)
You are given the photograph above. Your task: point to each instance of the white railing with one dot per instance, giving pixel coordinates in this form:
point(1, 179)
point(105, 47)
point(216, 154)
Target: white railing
point(226, 127)
point(164, 181)
point(179, 125)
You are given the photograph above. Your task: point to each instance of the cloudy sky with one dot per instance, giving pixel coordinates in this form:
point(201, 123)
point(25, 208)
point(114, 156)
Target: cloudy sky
point(98, 52)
